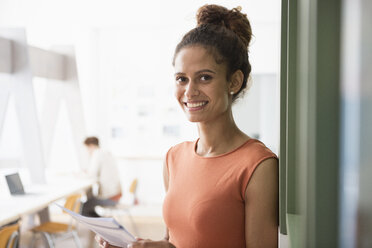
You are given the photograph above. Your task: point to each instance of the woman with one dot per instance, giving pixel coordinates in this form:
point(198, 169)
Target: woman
point(222, 189)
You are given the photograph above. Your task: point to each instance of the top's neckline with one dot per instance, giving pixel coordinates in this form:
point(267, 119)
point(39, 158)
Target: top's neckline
point(223, 154)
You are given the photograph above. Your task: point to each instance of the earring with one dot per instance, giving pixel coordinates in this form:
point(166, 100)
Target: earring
point(231, 92)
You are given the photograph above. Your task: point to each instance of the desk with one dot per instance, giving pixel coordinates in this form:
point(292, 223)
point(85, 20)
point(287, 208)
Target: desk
point(40, 196)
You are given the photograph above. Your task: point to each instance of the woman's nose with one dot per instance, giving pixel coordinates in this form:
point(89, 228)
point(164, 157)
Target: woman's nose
point(191, 90)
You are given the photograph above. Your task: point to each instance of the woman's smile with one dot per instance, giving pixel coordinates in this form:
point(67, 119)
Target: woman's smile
point(195, 105)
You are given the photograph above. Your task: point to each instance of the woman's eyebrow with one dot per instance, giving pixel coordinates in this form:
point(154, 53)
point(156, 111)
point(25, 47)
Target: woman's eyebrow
point(198, 72)
point(179, 73)
point(205, 70)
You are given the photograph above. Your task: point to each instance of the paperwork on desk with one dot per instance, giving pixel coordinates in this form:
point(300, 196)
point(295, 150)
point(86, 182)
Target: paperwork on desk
point(108, 228)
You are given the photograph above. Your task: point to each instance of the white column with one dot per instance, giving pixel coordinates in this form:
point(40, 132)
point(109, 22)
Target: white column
point(19, 83)
point(69, 91)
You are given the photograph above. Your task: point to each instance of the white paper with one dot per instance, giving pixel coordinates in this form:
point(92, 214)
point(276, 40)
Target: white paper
point(108, 228)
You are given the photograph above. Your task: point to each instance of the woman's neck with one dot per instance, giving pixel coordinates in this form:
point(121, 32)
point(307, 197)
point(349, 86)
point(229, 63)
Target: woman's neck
point(219, 136)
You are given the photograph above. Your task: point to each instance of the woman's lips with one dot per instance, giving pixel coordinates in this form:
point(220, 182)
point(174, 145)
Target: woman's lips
point(194, 106)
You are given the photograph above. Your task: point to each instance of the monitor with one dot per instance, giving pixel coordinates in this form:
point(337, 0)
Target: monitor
point(15, 184)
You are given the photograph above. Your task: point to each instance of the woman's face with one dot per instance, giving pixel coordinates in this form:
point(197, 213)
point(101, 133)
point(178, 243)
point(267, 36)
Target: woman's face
point(201, 86)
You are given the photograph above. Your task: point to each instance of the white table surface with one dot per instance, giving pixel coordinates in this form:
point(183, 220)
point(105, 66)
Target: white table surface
point(39, 197)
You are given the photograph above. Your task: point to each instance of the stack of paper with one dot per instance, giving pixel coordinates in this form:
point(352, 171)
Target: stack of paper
point(108, 228)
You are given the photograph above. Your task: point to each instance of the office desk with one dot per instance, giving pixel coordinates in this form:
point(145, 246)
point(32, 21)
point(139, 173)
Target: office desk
point(38, 197)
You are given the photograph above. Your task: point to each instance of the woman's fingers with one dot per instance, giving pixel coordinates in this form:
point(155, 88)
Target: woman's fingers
point(150, 244)
point(103, 243)
point(99, 240)
point(140, 243)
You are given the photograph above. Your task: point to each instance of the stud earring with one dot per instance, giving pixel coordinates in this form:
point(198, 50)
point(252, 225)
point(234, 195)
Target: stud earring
point(231, 92)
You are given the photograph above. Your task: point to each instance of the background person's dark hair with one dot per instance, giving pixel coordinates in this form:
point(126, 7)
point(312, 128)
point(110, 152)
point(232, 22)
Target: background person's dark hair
point(91, 141)
point(226, 34)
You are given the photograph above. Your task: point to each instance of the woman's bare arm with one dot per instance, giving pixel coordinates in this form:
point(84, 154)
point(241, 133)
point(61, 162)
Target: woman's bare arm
point(262, 206)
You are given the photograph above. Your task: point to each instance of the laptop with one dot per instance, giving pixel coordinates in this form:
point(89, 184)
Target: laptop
point(15, 184)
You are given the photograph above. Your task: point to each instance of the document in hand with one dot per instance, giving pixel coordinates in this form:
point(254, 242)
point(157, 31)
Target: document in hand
point(108, 228)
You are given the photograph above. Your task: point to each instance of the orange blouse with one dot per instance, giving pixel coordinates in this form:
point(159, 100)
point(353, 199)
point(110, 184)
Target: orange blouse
point(204, 205)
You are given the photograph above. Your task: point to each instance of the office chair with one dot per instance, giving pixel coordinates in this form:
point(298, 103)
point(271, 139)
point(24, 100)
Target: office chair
point(122, 209)
point(9, 236)
point(133, 191)
point(54, 231)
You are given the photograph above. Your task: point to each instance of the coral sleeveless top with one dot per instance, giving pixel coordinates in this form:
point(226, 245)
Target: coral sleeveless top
point(204, 205)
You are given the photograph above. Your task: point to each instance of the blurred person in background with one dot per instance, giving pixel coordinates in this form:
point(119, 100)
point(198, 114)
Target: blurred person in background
point(102, 168)
point(222, 189)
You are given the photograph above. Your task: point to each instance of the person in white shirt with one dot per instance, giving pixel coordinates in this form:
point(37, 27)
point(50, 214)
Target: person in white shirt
point(104, 170)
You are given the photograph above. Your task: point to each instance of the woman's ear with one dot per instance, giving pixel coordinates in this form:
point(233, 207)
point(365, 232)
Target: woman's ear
point(236, 81)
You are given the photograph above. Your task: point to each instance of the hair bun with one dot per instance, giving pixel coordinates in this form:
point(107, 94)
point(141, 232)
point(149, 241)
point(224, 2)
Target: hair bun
point(231, 19)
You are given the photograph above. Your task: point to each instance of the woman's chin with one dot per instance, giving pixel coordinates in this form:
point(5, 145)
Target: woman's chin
point(193, 118)
point(194, 121)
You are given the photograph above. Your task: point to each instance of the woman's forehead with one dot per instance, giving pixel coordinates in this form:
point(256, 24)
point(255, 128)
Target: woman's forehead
point(195, 58)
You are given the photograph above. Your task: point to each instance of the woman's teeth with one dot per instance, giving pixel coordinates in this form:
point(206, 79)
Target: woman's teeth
point(195, 104)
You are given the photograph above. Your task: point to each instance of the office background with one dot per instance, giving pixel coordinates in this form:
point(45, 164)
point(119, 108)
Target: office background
point(124, 88)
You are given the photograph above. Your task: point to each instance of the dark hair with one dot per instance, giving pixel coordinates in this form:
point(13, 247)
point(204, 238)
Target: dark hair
point(91, 141)
point(226, 34)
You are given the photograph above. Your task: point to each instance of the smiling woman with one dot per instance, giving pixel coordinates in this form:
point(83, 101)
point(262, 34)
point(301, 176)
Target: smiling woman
point(222, 189)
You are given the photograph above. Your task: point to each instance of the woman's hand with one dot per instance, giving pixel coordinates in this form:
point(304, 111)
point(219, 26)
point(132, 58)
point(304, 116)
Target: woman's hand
point(146, 243)
point(140, 243)
point(103, 243)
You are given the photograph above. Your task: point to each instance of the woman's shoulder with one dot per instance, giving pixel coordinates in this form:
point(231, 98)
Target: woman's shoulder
point(180, 151)
point(182, 146)
point(255, 148)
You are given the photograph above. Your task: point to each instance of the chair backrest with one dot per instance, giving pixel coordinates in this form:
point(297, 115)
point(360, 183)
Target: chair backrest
point(133, 186)
point(9, 236)
point(73, 203)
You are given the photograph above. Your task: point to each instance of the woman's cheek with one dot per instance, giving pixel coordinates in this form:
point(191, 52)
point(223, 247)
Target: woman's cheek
point(178, 93)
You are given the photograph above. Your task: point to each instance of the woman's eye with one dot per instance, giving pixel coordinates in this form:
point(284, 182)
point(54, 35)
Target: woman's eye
point(181, 80)
point(205, 77)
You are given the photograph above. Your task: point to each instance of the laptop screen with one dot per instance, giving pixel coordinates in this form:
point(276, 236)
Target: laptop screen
point(15, 184)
